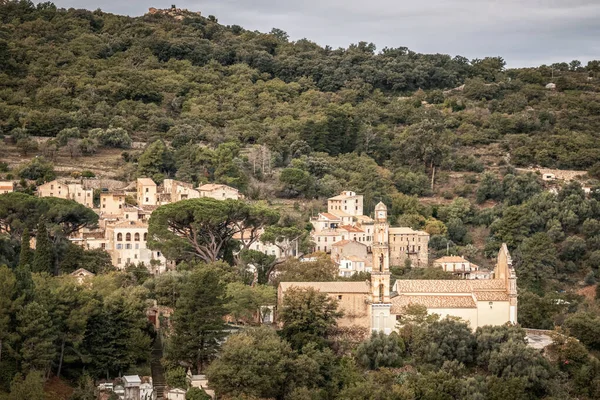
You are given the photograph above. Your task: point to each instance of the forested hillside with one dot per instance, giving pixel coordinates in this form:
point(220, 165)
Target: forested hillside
point(192, 80)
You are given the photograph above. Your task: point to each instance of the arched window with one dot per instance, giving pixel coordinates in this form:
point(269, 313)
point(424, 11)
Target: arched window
point(119, 237)
point(136, 237)
point(128, 237)
point(145, 236)
point(381, 293)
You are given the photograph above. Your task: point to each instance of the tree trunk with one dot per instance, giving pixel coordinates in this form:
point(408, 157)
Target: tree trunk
point(62, 353)
point(432, 175)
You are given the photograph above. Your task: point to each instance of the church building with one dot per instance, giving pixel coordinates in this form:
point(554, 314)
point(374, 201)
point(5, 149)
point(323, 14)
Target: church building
point(378, 307)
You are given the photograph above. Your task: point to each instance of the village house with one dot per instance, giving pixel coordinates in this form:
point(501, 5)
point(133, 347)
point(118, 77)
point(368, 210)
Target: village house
point(345, 248)
point(67, 190)
point(458, 266)
point(219, 192)
point(372, 305)
point(146, 192)
point(6, 187)
point(112, 202)
point(127, 244)
point(408, 244)
point(176, 190)
point(350, 265)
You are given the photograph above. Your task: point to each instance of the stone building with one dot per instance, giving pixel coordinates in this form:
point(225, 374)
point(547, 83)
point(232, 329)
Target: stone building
point(65, 189)
point(219, 192)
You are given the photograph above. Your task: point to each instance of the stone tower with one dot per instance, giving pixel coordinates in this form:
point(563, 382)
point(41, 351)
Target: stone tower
point(380, 275)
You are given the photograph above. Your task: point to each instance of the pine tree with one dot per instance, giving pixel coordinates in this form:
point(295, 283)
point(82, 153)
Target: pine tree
point(43, 260)
point(198, 319)
point(37, 348)
point(26, 256)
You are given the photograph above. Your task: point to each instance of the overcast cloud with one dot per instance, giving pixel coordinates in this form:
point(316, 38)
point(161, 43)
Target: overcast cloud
point(524, 32)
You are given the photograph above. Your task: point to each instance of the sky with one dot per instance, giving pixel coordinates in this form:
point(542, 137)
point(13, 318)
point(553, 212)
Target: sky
point(523, 32)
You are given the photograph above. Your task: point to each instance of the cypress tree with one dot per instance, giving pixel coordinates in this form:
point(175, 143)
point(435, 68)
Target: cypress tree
point(26, 256)
point(43, 260)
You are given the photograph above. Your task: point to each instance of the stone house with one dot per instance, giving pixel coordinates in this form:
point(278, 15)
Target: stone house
point(126, 244)
point(345, 248)
point(457, 265)
point(67, 190)
point(6, 187)
point(219, 191)
point(146, 192)
point(406, 243)
point(112, 202)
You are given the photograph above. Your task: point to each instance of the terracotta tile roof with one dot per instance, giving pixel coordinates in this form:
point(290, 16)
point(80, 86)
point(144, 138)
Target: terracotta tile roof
point(364, 218)
point(329, 287)
point(491, 296)
point(149, 208)
point(329, 216)
point(351, 228)
point(209, 187)
point(131, 224)
point(340, 243)
point(451, 259)
point(403, 230)
point(344, 242)
point(342, 197)
point(448, 286)
point(340, 213)
point(146, 181)
point(93, 235)
point(431, 302)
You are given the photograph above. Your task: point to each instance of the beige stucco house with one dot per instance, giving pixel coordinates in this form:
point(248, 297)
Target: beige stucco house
point(6, 187)
point(457, 265)
point(67, 190)
point(146, 192)
point(127, 244)
point(112, 202)
point(219, 191)
point(407, 243)
point(345, 248)
point(177, 190)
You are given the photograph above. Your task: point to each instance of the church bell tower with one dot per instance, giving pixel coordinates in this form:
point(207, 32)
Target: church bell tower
point(380, 273)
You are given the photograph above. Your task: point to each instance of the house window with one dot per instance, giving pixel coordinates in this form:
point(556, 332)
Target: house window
point(128, 237)
point(146, 199)
point(119, 261)
point(339, 297)
point(135, 256)
point(119, 246)
point(136, 237)
point(103, 246)
point(146, 190)
point(137, 246)
point(145, 236)
point(158, 254)
point(128, 260)
point(119, 237)
point(51, 186)
point(128, 246)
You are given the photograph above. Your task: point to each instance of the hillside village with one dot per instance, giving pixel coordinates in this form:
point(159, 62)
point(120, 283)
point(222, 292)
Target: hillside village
point(192, 211)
